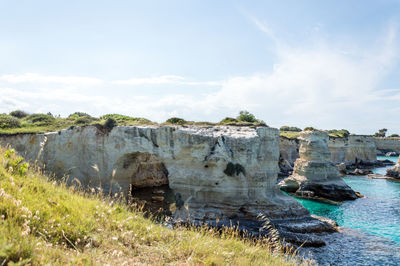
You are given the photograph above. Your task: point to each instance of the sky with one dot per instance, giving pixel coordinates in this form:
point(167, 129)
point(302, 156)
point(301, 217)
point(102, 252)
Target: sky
point(329, 64)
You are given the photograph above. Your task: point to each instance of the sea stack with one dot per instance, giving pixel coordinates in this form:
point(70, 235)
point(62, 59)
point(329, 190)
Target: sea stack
point(314, 174)
point(395, 171)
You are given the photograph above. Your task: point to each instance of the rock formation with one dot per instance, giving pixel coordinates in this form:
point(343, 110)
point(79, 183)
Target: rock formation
point(289, 152)
point(395, 171)
point(355, 150)
point(215, 172)
point(314, 174)
point(385, 145)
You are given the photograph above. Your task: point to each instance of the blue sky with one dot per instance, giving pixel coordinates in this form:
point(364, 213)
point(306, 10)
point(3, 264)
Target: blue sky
point(327, 64)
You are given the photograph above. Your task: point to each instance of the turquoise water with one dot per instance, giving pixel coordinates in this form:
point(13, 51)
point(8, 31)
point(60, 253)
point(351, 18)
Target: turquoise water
point(378, 213)
point(370, 226)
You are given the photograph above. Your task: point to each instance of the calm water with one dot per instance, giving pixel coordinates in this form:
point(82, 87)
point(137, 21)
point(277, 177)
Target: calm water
point(370, 225)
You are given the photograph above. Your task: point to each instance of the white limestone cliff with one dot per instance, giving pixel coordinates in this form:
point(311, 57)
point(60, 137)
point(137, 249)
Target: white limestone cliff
point(353, 150)
point(215, 172)
point(314, 174)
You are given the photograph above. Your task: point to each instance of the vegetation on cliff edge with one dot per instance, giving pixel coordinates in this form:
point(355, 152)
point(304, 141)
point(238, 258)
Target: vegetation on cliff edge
point(42, 221)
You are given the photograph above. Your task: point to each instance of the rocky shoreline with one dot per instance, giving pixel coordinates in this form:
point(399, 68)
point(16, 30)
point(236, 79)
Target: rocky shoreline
point(210, 173)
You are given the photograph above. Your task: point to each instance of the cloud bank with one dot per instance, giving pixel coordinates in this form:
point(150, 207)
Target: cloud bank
point(319, 84)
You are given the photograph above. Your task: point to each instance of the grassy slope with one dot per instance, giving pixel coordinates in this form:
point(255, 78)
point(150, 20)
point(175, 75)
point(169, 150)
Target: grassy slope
point(42, 221)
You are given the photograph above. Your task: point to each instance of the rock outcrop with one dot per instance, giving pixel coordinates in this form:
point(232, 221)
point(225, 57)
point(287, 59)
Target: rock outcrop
point(289, 149)
point(314, 175)
point(214, 172)
point(395, 171)
point(385, 145)
point(289, 152)
point(355, 150)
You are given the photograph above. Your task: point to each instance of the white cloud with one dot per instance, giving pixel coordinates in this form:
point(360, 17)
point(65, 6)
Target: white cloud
point(165, 79)
point(37, 78)
point(320, 84)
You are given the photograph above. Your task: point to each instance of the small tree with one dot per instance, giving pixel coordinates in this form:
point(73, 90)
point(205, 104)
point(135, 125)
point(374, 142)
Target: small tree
point(381, 133)
point(245, 116)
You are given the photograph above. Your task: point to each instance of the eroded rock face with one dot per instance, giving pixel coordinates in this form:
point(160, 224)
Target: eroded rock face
point(314, 174)
point(395, 171)
point(386, 145)
point(355, 150)
point(214, 172)
point(289, 149)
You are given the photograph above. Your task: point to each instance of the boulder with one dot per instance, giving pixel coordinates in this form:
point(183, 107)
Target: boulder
point(361, 172)
point(392, 154)
point(342, 168)
point(395, 171)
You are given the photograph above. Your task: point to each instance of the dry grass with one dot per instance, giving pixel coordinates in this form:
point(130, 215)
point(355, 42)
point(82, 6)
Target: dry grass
point(43, 221)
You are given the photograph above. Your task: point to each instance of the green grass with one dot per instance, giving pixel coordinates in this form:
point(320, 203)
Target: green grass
point(42, 221)
point(41, 123)
point(290, 134)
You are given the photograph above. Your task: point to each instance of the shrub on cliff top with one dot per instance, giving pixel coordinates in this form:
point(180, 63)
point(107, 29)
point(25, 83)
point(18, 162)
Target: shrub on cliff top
point(229, 120)
point(176, 121)
point(343, 133)
point(381, 133)
point(110, 123)
point(78, 114)
point(309, 128)
point(288, 128)
point(40, 119)
point(19, 114)
point(245, 116)
point(394, 136)
point(8, 121)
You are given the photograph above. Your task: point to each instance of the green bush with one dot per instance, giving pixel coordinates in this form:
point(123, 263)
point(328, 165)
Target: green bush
point(40, 119)
point(344, 133)
point(110, 123)
point(76, 115)
point(288, 128)
point(8, 121)
point(229, 120)
point(19, 114)
point(83, 120)
point(176, 121)
point(245, 116)
point(309, 128)
point(394, 136)
point(381, 133)
point(118, 117)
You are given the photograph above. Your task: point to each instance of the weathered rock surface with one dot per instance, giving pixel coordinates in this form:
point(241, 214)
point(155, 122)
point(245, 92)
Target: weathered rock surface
point(356, 150)
point(314, 174)
point(395, 171)
point(289, 151)
point(216, 172)
point(385, 145)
